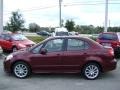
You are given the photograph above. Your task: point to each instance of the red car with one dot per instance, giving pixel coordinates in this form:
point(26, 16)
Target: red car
point(13, 42)
point(111, 39)
point(62, 55)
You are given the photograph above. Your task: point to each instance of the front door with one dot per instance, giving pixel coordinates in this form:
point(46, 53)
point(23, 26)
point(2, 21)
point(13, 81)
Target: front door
point(49, 62)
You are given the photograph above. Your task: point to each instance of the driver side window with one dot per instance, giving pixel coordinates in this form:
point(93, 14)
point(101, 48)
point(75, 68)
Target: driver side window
point(36, 50)
point(54, 45)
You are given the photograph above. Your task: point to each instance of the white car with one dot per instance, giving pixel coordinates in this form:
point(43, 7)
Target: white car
point(60, 32)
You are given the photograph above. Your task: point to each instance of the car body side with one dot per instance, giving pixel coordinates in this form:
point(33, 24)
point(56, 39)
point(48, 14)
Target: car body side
point(69, 61)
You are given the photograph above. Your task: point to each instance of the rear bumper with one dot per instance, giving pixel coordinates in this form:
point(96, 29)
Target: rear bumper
point(109, 66)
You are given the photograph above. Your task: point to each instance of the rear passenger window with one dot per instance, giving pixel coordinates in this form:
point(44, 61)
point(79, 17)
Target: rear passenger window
point(107, 36)
point(76, 44)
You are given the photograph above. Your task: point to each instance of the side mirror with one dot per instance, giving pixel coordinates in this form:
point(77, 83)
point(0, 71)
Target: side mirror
point(43, 51)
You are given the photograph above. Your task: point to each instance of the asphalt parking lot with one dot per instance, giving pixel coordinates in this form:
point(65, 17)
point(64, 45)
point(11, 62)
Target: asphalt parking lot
point(107, 81)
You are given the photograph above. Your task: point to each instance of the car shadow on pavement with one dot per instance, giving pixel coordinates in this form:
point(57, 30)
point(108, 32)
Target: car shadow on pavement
point(104, 76)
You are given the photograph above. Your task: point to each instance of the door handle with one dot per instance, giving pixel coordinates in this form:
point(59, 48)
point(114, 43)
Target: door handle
point(85, 53)
point(58, 54)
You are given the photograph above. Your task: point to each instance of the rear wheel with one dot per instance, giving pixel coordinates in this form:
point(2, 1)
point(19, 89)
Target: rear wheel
point(91, 71)
point(21, 70)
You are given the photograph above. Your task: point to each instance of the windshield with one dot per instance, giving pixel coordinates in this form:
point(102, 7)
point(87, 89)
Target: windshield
point(62, 34)
point(18, 37)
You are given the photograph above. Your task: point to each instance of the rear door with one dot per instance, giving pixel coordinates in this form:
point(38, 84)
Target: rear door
point(76, 52)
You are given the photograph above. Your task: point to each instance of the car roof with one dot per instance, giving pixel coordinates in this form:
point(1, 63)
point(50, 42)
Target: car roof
point(79, 37)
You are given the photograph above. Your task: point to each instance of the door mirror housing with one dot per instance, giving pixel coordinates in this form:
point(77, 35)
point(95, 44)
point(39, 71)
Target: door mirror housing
point(43, 51)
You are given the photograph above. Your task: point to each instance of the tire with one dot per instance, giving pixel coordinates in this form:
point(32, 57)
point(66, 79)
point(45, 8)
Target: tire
point(14, 49)
point(21, 70)
point(4, 50)
point(117, 52)
point(117, 56)
point(91, 71)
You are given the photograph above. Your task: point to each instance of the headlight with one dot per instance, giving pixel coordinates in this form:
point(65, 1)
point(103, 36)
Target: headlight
point(9, 57)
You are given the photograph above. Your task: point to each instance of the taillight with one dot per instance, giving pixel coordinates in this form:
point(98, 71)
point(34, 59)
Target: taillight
point(115, 43)
point(111, 51)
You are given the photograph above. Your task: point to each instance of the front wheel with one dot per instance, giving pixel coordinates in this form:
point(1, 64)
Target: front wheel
point(91, 71)
point(21, 70)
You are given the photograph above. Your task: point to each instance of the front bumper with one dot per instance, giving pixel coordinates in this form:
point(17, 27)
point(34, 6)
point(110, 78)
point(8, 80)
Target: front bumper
point(7, 66)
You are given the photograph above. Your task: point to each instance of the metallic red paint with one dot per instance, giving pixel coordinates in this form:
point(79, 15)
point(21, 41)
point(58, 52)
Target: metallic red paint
point(64, 61)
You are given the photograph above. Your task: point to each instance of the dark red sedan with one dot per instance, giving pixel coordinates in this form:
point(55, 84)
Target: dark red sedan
point(62, 55)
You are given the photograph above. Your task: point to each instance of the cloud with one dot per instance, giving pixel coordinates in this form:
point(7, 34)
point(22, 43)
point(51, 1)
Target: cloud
point(37, 11)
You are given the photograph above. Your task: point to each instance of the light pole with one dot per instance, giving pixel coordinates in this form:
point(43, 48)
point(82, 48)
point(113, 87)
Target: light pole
point(1, 16)
point(60, 21)
point(106, 16)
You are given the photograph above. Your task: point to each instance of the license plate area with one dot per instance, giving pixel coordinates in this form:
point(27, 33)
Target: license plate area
point(106, 44)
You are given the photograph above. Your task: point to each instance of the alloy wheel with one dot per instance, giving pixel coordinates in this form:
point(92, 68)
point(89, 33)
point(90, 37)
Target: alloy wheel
point(21, 70)
point(91, 71)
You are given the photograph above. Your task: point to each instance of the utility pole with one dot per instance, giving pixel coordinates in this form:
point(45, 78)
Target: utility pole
point(109, 23)
point(60, 21)
point(1, 16)
point(106, 16)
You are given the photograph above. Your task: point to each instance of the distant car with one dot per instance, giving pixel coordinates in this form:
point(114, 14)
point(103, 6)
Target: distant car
point(60, 32)
point(111, 39)
point(73, 33)
point(13, 42)
point(62, 55)
point(43, 33)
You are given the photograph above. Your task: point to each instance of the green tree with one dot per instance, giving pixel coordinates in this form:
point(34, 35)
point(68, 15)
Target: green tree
point(113, 29)
point(99, 29)
point(33, 27)
point(16, 22)
point(70, 25)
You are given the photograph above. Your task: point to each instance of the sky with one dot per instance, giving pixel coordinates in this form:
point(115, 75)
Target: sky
point(46, 12)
